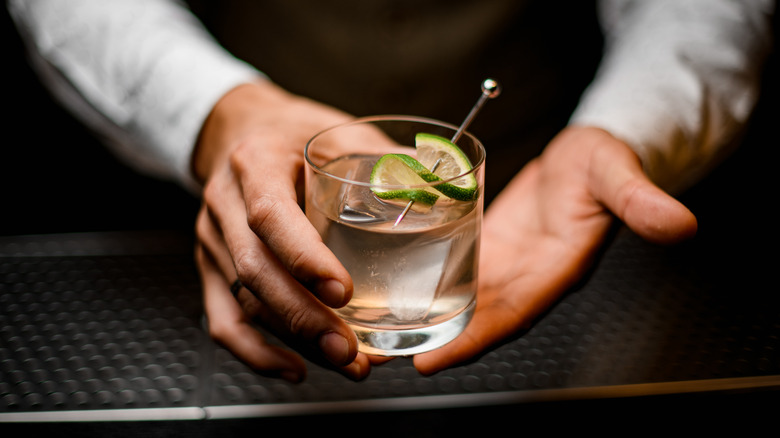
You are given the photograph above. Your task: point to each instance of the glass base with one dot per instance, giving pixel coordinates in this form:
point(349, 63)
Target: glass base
point(379, 342)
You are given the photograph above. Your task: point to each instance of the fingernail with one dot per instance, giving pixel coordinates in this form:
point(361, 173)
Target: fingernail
point(335, 347)
point(331, 291)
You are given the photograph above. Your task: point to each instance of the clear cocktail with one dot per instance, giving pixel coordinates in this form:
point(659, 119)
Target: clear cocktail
point(415, 271)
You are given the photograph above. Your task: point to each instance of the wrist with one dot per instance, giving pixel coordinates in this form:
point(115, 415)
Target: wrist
point(230, 120)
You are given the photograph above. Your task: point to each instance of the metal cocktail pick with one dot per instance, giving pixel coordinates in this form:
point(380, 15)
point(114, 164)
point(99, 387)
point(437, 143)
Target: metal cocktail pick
point(490, 89)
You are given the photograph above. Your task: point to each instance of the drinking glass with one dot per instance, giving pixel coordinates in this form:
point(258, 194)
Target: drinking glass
point(415, 278)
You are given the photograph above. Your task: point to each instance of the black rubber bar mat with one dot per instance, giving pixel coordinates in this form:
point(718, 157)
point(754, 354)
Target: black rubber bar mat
point(109, 326)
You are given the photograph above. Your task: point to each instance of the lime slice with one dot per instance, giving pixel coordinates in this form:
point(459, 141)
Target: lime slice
point(401, 169)
point(452, 162)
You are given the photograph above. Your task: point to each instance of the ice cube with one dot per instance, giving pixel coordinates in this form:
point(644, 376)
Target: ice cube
point(351, 215)
point(412, 291)
point(460, 261)
point(358, 203)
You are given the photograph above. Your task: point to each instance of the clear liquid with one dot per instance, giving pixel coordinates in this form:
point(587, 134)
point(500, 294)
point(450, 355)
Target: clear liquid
point(414, 283)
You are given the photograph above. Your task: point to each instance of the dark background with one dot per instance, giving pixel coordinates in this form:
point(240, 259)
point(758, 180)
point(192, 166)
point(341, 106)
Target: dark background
point(56, 177)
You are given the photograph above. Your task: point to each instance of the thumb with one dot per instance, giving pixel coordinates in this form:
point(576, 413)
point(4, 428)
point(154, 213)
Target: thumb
point(618, 181)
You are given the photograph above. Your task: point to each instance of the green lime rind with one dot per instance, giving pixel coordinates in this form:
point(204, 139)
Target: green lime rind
point(453, 162)
point(401, 169)
point(458, 193)
point(418, 196)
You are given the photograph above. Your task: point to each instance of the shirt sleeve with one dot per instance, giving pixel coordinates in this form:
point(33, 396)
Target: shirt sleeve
point(143, 74)
point(678, 81)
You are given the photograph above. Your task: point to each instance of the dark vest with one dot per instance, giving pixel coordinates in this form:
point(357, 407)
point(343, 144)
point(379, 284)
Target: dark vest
point(427, 58)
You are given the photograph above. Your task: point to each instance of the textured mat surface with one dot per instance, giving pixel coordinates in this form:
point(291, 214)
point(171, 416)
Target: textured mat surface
point(109, 326)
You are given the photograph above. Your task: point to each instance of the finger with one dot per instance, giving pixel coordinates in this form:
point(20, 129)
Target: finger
point(465, 347)
point(618, 181)
point(378, 360)
point(503, 309)
point(357, 369)
point(289, 308)
point(211, 242)
point(276, 217)
point(212, 247)
point(230, 326)
point(210, 238)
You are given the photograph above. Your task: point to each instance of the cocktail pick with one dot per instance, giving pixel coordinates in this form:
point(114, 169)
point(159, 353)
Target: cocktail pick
point(490, 90)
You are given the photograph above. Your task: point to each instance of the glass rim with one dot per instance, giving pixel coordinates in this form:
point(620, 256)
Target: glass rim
point(388, 118)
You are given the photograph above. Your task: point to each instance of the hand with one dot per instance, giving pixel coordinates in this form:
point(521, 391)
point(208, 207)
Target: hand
point(542, 232)
point(252, 228)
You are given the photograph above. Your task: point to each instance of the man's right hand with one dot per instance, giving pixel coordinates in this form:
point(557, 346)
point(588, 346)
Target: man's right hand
point(251, 228)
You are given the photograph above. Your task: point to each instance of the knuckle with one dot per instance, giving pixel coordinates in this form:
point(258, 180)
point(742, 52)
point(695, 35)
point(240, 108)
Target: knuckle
point(263, 212)
point(249, 267)
point(298, 318)
point(211, 194)
point(625, 196)
point(220, 331)
point(239, 156)
point(299, 263)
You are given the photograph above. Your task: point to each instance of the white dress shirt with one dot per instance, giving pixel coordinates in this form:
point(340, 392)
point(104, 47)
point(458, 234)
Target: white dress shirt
point(678, 81)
